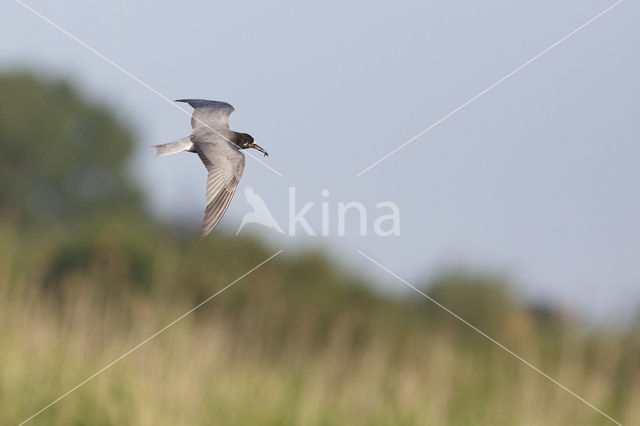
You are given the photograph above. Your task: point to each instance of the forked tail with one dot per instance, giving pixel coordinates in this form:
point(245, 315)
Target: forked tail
point(180, 145)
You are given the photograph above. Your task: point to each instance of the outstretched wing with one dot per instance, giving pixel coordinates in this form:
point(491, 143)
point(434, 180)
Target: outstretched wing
point(225, 165)
point(214, 114)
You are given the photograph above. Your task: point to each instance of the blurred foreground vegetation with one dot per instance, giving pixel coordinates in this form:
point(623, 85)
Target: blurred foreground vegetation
point(84, 278)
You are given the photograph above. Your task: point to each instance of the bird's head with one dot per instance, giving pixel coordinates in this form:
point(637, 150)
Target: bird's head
point(245, 141)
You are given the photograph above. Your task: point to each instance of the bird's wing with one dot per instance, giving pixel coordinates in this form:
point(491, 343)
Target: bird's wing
point(225, 165)
point(206, 113)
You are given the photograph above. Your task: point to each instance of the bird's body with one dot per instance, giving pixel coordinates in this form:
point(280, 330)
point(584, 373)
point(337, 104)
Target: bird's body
point(219, 150)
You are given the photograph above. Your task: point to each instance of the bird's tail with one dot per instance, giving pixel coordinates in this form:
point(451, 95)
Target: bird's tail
point(180, 145)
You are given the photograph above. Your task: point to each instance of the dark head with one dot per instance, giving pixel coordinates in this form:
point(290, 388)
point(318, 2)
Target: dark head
point(245, 141)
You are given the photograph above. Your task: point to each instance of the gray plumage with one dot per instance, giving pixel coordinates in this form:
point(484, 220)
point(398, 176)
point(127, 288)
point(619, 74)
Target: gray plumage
point(219, 150)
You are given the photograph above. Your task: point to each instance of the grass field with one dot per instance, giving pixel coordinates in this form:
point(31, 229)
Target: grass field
point(296, 343)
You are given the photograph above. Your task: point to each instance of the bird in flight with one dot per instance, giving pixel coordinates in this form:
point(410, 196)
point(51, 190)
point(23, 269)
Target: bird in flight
point(219, 149)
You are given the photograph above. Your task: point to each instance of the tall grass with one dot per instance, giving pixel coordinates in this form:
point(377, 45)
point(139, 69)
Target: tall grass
point(296, 343)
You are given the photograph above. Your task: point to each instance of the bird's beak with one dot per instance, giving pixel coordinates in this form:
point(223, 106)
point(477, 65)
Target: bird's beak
point(259, 148)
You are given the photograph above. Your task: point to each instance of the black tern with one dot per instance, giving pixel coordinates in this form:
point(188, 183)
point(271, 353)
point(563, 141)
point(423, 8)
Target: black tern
point(219, 149)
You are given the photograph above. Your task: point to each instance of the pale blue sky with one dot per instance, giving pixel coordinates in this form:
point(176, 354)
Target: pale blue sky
point(538, 178)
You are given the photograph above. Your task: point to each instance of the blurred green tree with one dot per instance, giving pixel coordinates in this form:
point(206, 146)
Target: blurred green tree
point(62, 156)
point(485, 301)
